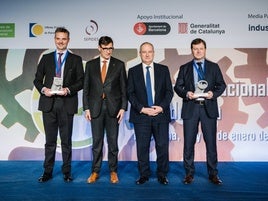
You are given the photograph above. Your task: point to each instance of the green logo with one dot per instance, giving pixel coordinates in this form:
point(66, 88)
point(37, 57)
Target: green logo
point(7, 30)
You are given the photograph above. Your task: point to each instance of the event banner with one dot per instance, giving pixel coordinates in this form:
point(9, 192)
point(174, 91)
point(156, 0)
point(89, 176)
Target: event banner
point(236, 39)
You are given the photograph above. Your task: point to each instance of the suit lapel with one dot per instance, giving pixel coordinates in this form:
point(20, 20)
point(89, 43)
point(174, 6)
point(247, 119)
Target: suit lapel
point(142, 79)
point(139, 79)
point(157, 78)
point(97, 69)
point(110, 70)
point(53, 64)
point(66, 65)
point(207, 71)
point(190, 74)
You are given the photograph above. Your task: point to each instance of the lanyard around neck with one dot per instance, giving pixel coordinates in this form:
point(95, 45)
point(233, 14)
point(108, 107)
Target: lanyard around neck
point(56, 61)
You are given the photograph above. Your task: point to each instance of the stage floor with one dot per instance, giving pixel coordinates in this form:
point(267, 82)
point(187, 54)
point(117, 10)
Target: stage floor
point(242, 181)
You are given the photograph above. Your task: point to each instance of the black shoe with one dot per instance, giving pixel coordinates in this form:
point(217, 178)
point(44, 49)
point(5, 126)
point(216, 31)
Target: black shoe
point(215, 179)
point(67, 178)
point(188, 179)
point(45, 177)
point(142, 180)
point(163, 180)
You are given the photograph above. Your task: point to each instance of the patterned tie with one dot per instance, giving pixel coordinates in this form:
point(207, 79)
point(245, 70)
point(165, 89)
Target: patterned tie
point(103, 71)
point(149, 87)
point(201, 76)
point(58, 70)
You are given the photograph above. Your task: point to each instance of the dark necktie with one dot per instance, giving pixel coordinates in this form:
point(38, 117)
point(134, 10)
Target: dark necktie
point(58, 70)
point(201, 75)
point(149, 87)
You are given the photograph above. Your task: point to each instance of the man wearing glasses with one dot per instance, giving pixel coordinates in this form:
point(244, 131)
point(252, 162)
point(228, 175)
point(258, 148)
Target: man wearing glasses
point(104, 102)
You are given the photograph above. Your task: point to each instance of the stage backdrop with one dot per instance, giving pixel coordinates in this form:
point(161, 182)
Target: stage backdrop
point(236, 39)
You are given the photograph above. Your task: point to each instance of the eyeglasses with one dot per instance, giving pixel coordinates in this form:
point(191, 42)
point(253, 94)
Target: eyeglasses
point(107, 48)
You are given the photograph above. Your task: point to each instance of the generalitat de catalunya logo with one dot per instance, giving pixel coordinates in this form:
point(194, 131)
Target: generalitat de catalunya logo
point(35, 30)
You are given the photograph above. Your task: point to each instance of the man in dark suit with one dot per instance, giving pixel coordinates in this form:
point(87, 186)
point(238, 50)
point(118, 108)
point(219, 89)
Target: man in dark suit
point(104, 102)
point(58, 105)
point(206, 77)
point(150, 112)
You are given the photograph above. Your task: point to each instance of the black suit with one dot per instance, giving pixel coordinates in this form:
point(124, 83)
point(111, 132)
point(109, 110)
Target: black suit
point(58, 111)
point(193, 113)
point(104, 111)
point(145, 125)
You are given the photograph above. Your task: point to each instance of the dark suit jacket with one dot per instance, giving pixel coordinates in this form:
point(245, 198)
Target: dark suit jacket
point(114, 87)
point(185, 83)
point(138, 97)
point(72, 78)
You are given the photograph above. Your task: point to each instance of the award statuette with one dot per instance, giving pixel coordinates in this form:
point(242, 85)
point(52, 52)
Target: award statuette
point(199, 90)
point(57, 86)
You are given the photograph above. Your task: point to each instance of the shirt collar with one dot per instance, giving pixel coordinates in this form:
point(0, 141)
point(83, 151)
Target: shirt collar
point(102, 59)
point(64, 52)
point(202, 61)
point(144, 65)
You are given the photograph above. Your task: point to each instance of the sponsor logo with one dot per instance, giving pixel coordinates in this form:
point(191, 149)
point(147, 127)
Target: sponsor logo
point(7, 30)
point(151, 28)
point(91, 30)
point(258, 28)
point(183, 28)
point(35, 30)
point(192, 28)
point(261, 26)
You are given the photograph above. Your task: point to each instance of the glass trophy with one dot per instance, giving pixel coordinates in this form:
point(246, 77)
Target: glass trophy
point(199, 90)
point(57, 86)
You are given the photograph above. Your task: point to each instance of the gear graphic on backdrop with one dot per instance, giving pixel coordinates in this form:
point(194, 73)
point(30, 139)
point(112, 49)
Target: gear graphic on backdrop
point(9, 89)
point(257, 70)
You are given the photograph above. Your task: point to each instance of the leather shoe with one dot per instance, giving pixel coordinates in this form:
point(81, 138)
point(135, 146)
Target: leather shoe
point(215, 180)
point(114, 179)
point(163, 180)
point(45, 177)
point(67, 178)
point(93, 177)
point(188, 179)
point(142, 180)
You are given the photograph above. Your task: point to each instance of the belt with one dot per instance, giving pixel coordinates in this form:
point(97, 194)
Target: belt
point(199, 102)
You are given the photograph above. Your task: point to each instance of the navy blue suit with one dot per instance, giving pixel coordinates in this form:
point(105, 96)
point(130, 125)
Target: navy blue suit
point(145, 125)
point(206, 113)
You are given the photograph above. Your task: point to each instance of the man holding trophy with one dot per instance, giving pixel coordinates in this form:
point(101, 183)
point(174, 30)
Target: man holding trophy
point(58, 79)
point(199, 84)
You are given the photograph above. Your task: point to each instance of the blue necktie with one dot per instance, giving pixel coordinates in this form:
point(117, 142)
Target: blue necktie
point(149, 87)
point(201, 72)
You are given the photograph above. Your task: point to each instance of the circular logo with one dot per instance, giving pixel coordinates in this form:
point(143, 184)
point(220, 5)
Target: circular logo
point(92, 28)
point(140, 28)
point(37, 30)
